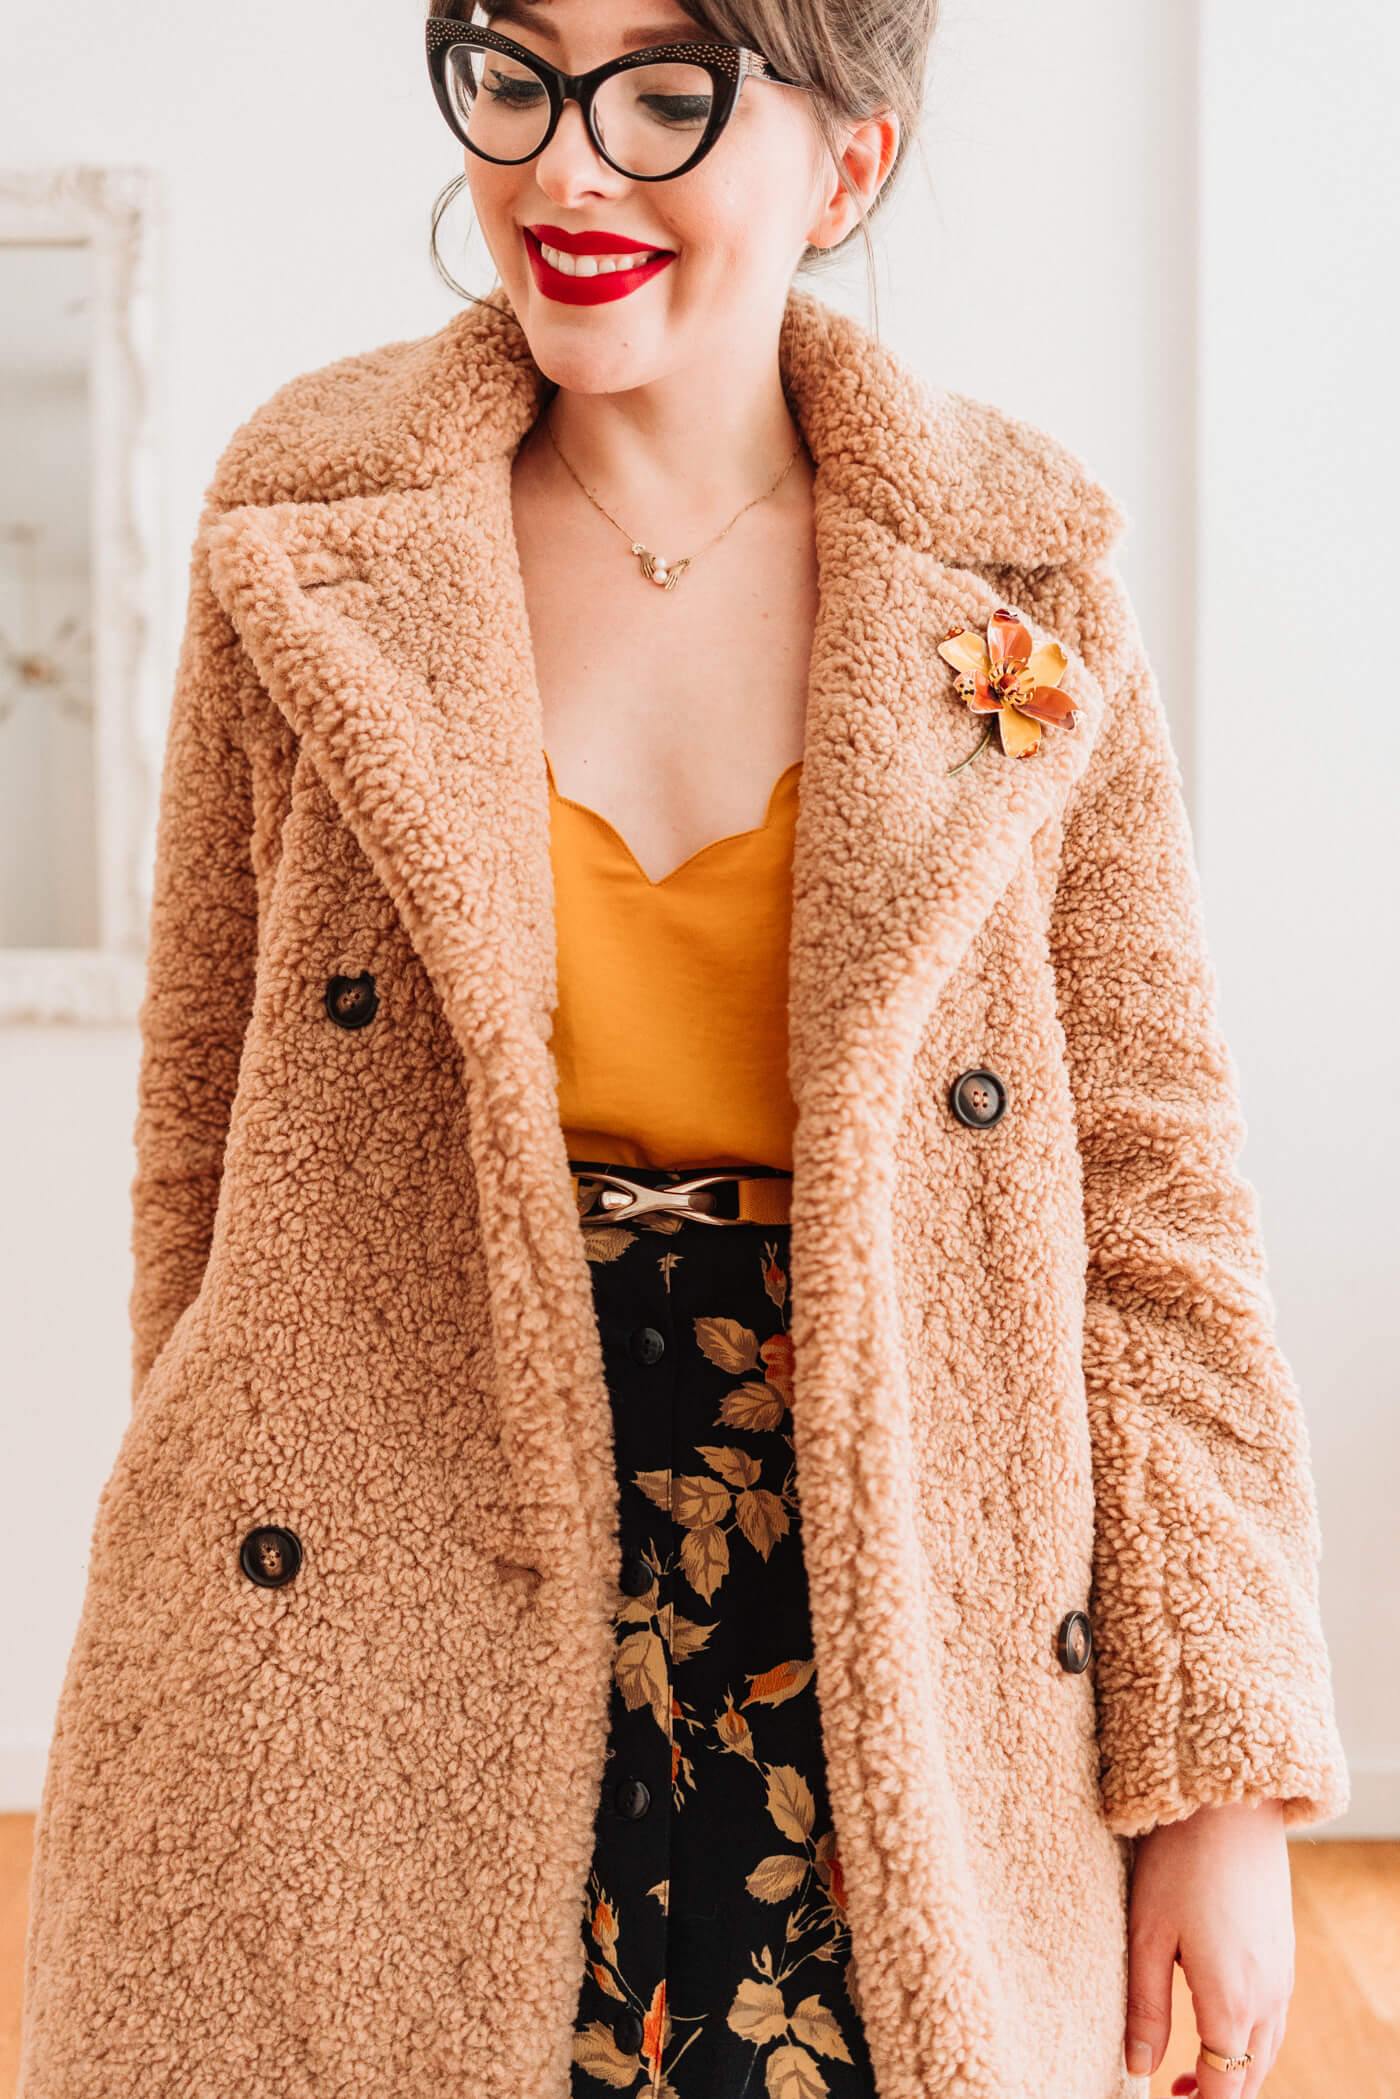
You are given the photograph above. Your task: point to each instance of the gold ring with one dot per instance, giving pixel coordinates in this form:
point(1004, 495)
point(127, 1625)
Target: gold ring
point(1226, 2062)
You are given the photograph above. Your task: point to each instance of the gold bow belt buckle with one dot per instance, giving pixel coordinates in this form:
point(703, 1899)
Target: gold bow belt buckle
point(617, 1199)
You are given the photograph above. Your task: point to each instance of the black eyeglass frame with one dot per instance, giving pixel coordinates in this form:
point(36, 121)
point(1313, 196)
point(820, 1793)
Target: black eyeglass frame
point(728, 65)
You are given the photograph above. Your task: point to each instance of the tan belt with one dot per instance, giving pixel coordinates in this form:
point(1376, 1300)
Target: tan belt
point(607, 1195)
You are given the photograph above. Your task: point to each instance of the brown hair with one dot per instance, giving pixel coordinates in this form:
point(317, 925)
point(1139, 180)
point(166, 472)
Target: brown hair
point(858, 57)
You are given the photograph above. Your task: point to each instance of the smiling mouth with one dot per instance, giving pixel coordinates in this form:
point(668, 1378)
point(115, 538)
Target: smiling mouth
point(595, 265)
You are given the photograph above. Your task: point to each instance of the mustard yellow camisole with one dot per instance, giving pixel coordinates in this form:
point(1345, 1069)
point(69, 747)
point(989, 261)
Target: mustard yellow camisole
point(670, 1034)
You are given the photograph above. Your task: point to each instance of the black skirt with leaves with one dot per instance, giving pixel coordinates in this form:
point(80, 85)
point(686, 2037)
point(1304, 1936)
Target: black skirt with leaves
point(718, 1952)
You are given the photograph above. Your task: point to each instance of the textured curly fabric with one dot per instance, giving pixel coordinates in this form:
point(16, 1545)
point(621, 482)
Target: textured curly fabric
point(718, 1952)
point(331, 1839)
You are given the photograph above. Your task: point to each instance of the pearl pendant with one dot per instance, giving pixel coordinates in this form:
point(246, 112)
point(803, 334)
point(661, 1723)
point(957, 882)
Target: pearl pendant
point(655, 567)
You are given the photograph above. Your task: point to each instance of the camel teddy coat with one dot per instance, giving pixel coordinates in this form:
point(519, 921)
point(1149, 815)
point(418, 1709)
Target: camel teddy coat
point(330, 1839)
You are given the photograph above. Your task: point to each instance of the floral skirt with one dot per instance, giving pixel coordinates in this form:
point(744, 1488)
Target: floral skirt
point(717, 1948)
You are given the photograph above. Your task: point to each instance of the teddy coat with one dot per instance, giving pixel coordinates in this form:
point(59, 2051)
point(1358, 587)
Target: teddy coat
point(329, 1840)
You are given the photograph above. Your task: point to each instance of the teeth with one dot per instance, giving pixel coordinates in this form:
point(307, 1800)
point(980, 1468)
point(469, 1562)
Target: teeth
point(594, 265)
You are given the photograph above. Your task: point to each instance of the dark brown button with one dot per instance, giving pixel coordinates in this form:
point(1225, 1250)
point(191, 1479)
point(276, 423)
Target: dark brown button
point(646, 1345)
point(637, 1577)
point(270, 1556)
point(352, 1002)
point(978, 1098)
point(628, 2031)
point(1074, 1642)
point(632, 1798)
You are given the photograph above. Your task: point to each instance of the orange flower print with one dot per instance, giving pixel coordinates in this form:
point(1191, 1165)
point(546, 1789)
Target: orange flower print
point(776, 1354)
point(1009, 676)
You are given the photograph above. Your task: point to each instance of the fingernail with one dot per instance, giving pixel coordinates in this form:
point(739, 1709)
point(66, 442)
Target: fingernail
point(1139, 2058)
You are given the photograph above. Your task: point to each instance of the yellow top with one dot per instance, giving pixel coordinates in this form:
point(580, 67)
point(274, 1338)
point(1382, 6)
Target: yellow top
point(670, 1034)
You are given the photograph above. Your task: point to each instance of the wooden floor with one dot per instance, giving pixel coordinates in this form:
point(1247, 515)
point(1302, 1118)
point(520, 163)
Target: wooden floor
point(1343, 2038)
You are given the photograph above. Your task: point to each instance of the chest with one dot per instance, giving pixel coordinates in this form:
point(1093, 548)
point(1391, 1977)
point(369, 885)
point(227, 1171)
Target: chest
point(671, 713)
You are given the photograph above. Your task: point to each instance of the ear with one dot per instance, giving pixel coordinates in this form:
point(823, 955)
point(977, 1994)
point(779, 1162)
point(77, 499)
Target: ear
point(867, 155)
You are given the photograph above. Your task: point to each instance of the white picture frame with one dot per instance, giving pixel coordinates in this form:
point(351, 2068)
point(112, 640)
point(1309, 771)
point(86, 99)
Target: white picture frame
point(116, 212)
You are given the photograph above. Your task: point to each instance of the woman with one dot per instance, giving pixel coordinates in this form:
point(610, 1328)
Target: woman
point(687, 1526)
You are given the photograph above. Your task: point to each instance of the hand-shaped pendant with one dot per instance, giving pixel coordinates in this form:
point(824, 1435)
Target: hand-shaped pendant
point(665, 574)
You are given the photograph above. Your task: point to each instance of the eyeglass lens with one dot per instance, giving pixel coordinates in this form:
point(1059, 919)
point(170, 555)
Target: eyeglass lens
point(650, 118)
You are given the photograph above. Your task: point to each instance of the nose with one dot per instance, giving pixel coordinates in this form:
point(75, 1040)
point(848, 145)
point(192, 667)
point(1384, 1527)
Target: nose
point(570, 167)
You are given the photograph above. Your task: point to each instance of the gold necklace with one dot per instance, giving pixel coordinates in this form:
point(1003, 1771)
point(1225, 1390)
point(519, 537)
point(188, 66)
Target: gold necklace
point(667, 574)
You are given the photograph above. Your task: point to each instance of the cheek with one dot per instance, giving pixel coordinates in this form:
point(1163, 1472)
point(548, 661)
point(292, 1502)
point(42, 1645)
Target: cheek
point(749, 206)
point(493, 193)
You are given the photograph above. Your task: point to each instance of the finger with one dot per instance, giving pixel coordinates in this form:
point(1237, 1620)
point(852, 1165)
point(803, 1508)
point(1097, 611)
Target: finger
point(1228, 2084)
point(1149, 2005)
point(1265, 2055)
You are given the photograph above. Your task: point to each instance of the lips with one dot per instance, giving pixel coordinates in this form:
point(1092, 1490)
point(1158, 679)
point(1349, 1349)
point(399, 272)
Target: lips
point(594, 289)
point(593, 243)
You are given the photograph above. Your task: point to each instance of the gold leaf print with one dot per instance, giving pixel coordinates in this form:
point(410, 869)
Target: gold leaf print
point(696, 1500)
point(751, 1406)
point(666, 1263)
point(762, 1518)
point(775, 1686)
point(790, 1802)
point(735, 1467)
point(595, 2049)
point(605, 1242)
point(687, 1638)
point(775, 1280)
point(791, 2073)
point(656, 1486)
point(816, 2027)
point(757, 2012)
point(639, 1667)
point(661, 1889)
point(729, 1344)
point(775, 1878)
point(705, 1558)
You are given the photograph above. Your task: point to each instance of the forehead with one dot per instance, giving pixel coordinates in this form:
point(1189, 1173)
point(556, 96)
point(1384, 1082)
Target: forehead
point(630, 24)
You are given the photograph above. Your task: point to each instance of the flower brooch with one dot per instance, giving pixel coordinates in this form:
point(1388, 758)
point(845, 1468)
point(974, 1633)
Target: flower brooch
point(1008, 676)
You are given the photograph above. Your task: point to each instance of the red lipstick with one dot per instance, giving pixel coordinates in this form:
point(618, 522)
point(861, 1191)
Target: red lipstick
point(589, 291)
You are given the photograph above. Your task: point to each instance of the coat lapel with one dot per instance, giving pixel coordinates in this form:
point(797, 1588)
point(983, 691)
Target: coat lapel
point(374, 582)
point(390, 627)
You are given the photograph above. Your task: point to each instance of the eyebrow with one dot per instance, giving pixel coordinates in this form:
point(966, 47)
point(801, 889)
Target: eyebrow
point(534, 15)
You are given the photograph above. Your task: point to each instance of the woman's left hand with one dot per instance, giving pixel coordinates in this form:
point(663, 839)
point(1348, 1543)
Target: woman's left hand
point(1213, 1891)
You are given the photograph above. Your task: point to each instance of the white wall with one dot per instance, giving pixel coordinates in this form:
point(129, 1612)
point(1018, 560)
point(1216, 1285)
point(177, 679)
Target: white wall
point(1299, 773)
point(300, 169)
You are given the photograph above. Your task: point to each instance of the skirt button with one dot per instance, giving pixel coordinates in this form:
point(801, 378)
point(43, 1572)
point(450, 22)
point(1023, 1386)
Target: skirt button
point(646, 1345)
point(633, 1798)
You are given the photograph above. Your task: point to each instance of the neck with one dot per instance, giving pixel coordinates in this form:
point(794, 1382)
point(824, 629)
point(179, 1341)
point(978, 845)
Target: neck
point(684, 451)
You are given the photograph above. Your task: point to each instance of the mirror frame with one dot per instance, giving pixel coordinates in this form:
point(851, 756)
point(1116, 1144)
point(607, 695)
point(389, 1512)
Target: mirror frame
point(117, 212)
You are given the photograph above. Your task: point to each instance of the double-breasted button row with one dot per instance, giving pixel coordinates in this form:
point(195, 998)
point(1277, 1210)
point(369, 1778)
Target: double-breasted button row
point(978, 1098)
point(352, 1002)
point(1074, 1642)
point(270, 1555)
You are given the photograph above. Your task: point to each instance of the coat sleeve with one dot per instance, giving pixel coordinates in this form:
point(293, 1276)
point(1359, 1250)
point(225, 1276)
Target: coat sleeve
point(1212, 1678)
point(200, 966)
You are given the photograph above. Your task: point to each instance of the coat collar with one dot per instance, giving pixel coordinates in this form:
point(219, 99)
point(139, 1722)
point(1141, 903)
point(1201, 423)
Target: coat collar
point(368, 564)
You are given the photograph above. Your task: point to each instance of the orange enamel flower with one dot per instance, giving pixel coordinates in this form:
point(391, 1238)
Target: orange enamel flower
point(1008, 675)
